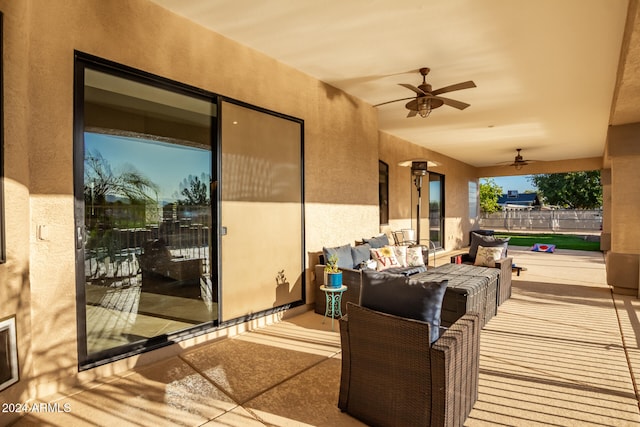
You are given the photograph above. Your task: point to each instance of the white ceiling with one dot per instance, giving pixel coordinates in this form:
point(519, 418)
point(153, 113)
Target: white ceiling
point(545, 70)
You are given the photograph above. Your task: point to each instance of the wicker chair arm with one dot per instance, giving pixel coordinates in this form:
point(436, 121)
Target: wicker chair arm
point(455, 364)
point(505, 265)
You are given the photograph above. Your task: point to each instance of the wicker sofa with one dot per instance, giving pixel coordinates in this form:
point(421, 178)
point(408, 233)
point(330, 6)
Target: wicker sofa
point(393, 376)
point(352, 271)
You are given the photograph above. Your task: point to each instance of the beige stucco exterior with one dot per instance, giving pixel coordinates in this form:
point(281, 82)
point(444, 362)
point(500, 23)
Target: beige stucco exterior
point(341, 155)
point(342, 147)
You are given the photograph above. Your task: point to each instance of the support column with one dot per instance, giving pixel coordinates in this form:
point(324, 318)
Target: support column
point(622, 211)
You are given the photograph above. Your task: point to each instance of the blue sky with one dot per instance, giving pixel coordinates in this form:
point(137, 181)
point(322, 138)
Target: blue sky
point(165, 164)
point(520, 183)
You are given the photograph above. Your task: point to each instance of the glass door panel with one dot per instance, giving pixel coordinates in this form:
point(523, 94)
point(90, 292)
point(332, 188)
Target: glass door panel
point(436, 209)
point(147, 213)
point(261, 210)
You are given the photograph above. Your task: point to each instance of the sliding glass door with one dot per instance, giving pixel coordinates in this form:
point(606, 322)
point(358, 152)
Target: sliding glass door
point(189, 211)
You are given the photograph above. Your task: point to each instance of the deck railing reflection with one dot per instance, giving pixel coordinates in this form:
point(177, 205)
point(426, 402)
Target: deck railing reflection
point(117, 235)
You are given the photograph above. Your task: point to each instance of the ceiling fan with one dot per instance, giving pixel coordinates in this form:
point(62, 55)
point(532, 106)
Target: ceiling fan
point(519, 161)
point(427, 99)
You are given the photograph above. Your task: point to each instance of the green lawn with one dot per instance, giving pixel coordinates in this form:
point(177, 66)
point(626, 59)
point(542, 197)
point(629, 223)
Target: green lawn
point(562, 241)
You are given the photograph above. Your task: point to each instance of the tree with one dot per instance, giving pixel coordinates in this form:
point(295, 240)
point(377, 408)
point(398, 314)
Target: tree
point(575, 190)
point(195, 190)
point(490, 192)
point(100, 182)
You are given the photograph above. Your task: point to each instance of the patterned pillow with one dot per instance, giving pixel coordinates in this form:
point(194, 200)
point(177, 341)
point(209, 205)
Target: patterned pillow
point(487, 257)
point(414, 256)
point(401, 254)
point(385, 258)
point(487, 241)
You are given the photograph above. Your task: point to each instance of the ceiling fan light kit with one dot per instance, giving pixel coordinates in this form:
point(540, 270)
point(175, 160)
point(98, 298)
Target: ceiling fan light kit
point(519, 161)
point(426, 99)
point(424, 107)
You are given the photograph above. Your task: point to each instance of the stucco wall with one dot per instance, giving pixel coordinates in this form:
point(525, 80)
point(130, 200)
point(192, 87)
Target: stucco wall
point(341, 150)
point(393, 151)
point(15, 292)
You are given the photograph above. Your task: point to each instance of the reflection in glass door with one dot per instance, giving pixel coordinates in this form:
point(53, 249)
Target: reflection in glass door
point(145, 225)
point(436, 209)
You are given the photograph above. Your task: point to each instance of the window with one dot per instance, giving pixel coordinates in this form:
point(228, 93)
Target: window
point(436, 209)
point(383, 191)
point(473, 200)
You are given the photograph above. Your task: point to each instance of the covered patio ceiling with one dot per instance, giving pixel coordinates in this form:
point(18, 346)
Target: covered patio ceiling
point(551, 76)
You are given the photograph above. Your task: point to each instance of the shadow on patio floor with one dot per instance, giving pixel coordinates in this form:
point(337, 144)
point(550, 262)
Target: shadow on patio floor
point(554, 355)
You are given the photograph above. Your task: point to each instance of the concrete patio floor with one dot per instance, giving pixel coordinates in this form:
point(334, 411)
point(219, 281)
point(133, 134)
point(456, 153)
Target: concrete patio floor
point(563, 351)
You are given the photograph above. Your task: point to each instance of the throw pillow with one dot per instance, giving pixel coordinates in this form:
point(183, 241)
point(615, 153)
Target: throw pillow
point(360, 254)
point(345, 260)
point(401, 254)
point(487, 241)
point(487, 257)
point(369, 264)
point(404, 296)
point(385, 258)
point(414, 256)
point(377, 242)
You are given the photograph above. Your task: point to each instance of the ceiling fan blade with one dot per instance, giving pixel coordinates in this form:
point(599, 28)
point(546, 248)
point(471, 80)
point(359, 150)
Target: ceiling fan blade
point(453, 103)
point(412, 113)
point(457, 86)
point(395, 100)
point(413, 88)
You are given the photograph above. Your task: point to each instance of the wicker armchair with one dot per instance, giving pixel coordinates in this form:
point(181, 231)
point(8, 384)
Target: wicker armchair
point(391, 376)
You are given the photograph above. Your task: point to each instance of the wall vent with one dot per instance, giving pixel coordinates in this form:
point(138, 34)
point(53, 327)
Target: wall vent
point(8, 353)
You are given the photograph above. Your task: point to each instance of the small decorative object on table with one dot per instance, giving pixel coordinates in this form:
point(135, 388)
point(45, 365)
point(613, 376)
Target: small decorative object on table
point(333, 275)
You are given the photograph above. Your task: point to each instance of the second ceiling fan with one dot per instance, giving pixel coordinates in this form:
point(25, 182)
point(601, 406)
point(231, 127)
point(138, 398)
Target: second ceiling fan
point(519, 161)
point(427, 99)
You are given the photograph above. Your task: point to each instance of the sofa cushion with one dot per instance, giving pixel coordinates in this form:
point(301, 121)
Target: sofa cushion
point(403, 296)
point(345, 259)
point(407, 271)
point(360, 254)
point(487, 241)
point(377, 242)
point(401, 254)
point(414, 256)
point(385, 258)
point(487, 257)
